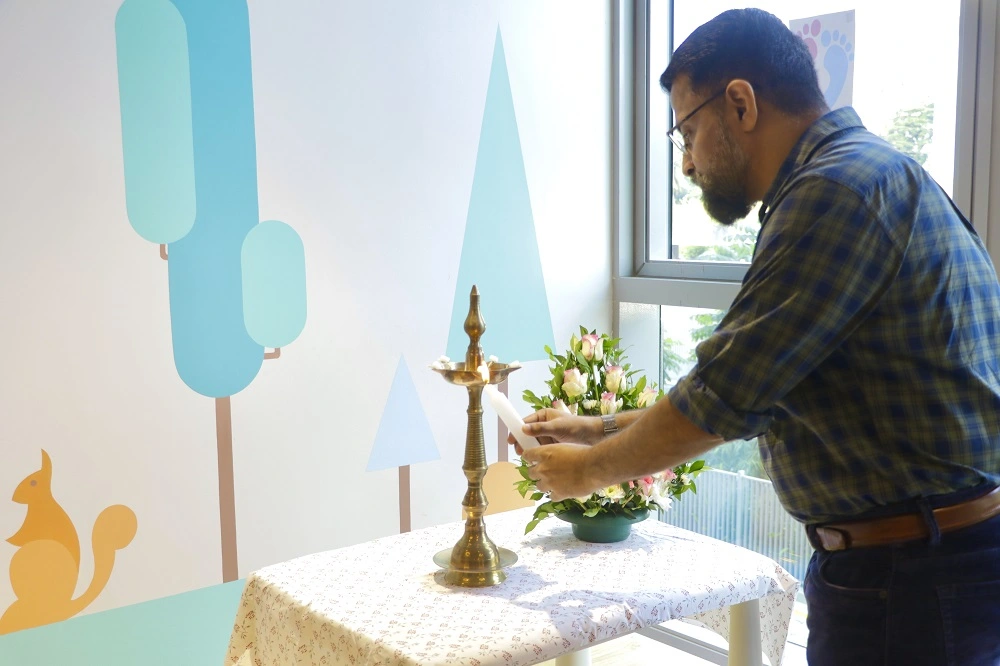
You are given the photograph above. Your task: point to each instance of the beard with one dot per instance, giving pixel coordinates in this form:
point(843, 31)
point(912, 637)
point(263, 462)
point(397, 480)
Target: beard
point(723, 189)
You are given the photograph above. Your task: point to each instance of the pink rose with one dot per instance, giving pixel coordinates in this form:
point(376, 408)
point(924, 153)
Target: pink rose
point(590, 344)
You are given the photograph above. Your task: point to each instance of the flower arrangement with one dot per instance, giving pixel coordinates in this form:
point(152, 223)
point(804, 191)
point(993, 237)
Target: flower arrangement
point(592, 377)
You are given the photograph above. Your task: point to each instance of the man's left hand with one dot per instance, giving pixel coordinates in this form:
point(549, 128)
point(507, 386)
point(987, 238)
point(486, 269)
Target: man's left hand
point(563, 470)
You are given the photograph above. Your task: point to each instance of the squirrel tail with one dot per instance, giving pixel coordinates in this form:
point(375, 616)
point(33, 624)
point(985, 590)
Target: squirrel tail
point(114, 529)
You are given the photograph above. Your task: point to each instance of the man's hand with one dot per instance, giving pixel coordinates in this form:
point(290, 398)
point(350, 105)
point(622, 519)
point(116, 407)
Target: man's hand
point(552, 425)
point(563, 470)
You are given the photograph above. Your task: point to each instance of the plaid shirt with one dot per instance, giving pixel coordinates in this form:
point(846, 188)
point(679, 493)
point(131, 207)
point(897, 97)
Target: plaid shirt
point(864, 343)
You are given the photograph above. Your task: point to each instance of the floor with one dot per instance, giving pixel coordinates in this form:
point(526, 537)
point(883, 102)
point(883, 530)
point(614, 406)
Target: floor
point(192, 629)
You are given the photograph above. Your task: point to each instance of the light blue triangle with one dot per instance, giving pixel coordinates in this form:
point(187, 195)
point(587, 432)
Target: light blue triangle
point(404, 435)
point(500, 251)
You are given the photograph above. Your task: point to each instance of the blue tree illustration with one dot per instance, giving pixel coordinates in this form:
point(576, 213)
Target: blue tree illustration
point(237, 285)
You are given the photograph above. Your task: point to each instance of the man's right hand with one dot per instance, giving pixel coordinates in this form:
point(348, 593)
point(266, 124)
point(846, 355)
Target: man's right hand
point(552, 425)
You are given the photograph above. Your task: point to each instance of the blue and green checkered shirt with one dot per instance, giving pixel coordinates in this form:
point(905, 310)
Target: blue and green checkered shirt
point(864, 344)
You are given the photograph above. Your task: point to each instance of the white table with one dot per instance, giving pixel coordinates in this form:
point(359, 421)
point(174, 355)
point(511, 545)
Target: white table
point(382, 603)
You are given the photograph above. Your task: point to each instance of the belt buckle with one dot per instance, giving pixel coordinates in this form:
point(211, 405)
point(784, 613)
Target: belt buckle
point(832, 539)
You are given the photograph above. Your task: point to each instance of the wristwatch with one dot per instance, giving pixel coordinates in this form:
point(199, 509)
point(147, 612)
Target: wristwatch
point(610, 424)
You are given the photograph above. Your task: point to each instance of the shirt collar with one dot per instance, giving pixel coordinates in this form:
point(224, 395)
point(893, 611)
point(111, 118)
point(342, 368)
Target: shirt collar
point(824, 128)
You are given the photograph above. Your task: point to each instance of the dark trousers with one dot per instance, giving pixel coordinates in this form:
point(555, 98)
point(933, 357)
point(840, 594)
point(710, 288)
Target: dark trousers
point(935, 602)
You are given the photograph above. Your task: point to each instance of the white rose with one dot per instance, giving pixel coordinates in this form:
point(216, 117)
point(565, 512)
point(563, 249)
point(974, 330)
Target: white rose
point(647, 397)
point(613, 377)
point(609, 405)
point(575, 382)
point(589, 404)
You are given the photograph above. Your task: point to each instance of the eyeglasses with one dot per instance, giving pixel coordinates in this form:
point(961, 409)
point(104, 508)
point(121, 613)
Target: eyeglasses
point(674, 132)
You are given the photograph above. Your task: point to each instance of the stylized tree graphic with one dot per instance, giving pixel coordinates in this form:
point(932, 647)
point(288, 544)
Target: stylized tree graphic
point(236, 286)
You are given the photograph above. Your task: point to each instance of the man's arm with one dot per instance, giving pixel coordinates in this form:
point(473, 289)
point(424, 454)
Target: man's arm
point(657, 438)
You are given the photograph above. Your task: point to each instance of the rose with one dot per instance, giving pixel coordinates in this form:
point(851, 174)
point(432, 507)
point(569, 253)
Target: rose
point(613, 377)
point(590, 344)
point(575, 382)
point(647, 397)
point(609, 405)
point(668, 475)
point(590, 404)
point(561, 406)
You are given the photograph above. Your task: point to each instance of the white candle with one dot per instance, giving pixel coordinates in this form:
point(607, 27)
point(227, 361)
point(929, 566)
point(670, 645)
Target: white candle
point(510, 417)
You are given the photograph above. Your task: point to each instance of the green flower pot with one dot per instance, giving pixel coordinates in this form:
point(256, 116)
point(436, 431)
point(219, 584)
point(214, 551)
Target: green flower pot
point(604, 527)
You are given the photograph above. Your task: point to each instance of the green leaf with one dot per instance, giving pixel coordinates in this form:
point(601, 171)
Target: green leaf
point(537, 496)
point(590, 513)
point(697, 465)
point(531, 525)
point(641, 384)
point(582, 360)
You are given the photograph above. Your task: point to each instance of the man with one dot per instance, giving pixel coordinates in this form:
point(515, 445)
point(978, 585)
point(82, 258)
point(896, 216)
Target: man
point(863, 348)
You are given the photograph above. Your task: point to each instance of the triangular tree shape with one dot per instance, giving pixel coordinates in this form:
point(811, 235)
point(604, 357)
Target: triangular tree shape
point(500, 251)
point(404, 435)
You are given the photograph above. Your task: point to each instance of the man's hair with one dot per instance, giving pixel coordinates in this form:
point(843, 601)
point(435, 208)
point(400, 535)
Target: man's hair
point(754, 45)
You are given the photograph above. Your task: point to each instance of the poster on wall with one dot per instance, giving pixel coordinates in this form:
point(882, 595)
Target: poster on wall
point(830, 39)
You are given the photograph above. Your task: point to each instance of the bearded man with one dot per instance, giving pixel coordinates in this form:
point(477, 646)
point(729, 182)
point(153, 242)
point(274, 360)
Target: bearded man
point(863, 349)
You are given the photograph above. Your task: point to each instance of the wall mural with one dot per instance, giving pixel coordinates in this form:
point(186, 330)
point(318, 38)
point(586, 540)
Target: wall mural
point(404, 437)
point(45, 568)
point(500, 250)
point(237, 286)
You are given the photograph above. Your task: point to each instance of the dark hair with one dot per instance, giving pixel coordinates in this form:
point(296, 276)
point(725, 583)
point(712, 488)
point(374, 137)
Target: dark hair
point(754, 45)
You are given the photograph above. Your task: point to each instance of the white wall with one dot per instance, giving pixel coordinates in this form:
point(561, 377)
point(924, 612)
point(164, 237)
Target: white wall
point(367, 121)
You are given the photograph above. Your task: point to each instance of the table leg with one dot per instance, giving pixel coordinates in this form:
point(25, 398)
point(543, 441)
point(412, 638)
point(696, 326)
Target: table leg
point(578, 658)
point(744, 634)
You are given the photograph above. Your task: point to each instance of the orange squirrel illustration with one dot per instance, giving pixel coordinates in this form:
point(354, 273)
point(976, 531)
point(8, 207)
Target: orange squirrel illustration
point(46, 566)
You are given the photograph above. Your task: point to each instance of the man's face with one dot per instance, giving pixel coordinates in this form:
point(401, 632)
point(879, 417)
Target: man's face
point(714, 160)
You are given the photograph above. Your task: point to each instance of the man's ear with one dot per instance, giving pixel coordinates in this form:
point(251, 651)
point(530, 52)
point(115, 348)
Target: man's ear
point(742, 100)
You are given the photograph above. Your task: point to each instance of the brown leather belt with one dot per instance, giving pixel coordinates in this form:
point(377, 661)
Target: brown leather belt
point(909, 527)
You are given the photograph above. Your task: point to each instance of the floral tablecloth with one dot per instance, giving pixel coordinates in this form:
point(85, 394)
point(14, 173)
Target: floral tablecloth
point(383, 603)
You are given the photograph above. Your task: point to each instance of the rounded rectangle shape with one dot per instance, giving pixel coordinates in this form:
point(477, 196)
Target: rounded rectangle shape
point(274, 284)
point(154, 83)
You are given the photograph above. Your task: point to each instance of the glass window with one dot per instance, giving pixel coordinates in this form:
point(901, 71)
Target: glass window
point(905, 90)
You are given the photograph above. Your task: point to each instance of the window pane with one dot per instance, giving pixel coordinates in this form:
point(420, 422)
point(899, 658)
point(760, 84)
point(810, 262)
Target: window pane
point(682, 328)
point(735, 501)
point(904, 91)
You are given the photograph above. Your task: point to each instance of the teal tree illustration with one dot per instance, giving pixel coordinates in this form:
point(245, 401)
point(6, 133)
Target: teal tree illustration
point(500, 249)
point(237, 285)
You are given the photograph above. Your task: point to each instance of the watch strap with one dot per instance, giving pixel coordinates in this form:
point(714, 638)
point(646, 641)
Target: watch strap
point(610, 423)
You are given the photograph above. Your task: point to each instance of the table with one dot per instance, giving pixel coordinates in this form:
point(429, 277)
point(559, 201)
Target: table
point(383, 603)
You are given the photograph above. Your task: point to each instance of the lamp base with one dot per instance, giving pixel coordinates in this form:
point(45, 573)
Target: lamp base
point(487, 578)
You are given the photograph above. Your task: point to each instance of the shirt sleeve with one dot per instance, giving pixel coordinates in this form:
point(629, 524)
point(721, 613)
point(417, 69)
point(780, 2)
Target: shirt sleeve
point(823, 260)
